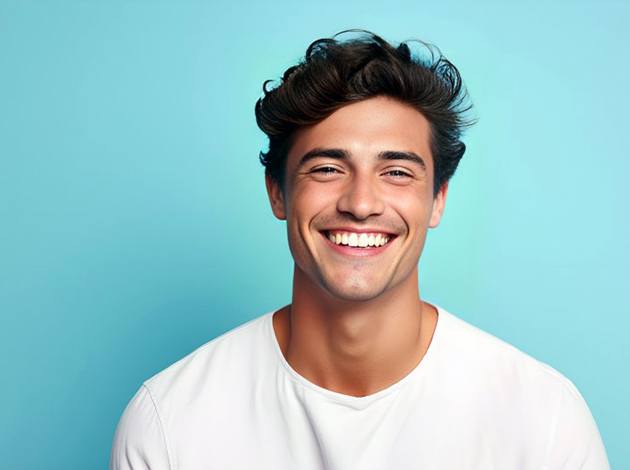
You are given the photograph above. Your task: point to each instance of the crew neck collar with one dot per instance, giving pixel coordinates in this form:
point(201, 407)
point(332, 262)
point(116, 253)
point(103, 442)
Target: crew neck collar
point(350, 400)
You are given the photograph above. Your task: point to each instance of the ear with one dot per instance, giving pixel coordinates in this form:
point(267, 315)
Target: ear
point(276, 198)
point(439, 202)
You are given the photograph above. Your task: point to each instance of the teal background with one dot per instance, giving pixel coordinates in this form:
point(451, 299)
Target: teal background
point(135, 224)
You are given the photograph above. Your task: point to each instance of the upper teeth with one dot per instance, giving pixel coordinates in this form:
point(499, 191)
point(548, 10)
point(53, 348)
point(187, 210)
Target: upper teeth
point(358, 239)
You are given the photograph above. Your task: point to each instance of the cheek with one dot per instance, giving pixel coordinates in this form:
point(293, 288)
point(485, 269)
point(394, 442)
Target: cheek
point(414, 209)
point(308, 202)
point(302, 216)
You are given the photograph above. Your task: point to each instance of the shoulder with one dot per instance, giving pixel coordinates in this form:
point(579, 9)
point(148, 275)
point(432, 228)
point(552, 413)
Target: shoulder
point(505, 385)
point(499, 377)
point(509, 383)
point(219, 360)
point(176, 404)
point(493, 358)
point(139, 441)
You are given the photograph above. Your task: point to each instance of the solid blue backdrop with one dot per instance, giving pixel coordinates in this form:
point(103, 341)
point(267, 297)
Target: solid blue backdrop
point(136, 226)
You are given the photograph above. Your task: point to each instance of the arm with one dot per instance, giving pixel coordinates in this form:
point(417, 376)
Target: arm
point(139, 441)
point(574, 440)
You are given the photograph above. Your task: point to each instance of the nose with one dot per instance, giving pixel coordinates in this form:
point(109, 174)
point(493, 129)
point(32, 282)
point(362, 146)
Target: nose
point(361, 198)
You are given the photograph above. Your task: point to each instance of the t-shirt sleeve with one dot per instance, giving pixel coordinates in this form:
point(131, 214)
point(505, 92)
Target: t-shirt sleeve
point(139, 440)
point(575, 442)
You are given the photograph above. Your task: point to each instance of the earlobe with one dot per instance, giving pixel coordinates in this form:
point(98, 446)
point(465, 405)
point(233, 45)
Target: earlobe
point(276, 198)
point(438, 206)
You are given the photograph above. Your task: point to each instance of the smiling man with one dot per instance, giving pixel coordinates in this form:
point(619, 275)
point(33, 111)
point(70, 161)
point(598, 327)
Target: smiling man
point(358, 199)
point(358, 372)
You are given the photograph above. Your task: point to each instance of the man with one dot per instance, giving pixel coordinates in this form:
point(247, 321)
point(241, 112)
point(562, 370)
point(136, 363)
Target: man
point(358, 372)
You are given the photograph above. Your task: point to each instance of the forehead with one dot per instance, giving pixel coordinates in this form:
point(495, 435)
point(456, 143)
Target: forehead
point(366, 128)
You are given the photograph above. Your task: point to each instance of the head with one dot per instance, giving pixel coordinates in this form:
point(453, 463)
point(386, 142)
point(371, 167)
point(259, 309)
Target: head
point(362, 138)
point(336, 73)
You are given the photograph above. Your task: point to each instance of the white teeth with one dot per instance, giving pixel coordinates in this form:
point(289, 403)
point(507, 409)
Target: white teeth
point(353, 239)
point(361, 240)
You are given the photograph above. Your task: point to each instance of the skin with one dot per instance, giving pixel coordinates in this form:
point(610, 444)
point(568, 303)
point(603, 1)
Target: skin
point(357, 325)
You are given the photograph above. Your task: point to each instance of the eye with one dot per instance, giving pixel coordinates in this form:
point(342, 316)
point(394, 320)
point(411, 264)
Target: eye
point(327, 170)
point(399, 174)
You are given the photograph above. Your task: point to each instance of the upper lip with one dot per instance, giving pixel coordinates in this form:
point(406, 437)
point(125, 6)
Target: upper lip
point(358, 230)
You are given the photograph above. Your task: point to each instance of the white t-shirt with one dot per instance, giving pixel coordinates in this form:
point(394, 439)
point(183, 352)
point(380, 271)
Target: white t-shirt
point(473, 402)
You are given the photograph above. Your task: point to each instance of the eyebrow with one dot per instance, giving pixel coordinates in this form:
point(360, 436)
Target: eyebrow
point(342, 154)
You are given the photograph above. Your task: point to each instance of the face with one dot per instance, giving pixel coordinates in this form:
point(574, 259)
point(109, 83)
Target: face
point(361, 176)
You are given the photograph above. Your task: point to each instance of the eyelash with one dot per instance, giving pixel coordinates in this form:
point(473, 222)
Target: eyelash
point(320, 170)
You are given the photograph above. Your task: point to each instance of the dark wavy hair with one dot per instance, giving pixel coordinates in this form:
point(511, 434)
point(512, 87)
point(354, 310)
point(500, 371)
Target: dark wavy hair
point(335, 73)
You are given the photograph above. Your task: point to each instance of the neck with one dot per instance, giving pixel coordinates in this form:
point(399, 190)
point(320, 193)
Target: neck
point(350, 347)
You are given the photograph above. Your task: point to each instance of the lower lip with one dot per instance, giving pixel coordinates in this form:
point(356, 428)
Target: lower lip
point(353, 251)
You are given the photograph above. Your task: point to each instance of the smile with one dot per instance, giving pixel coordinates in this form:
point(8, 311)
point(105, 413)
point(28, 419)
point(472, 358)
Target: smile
point(362, 240)
point(358, 244)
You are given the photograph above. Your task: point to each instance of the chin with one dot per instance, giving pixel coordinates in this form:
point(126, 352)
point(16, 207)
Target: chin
point(353, 293)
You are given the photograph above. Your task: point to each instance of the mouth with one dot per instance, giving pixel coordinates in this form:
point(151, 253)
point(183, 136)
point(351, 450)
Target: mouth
point(358, 244)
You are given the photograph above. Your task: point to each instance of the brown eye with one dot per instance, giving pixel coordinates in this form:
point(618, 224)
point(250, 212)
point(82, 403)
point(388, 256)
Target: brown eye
point(327, 170)
point(399, 174)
